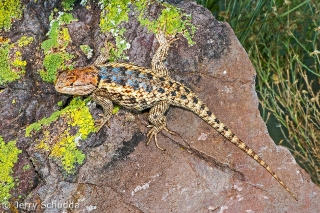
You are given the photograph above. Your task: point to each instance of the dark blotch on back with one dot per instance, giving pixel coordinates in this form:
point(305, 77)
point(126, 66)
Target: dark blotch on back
point(162, 79)
point(122, 82)
point(217, 120)
point(137, 73)
point(149, 76)
point(183, 97)
point(122, 71)
point(173, 93)
point(209, 113)
point(202, 106)
point(225, 128)
point(161, 90)
point(135, 85)
point(195, 100)
point(149, 88)
point(132, 100)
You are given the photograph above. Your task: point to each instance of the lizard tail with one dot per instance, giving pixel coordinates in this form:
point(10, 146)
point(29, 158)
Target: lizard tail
point(194, 104)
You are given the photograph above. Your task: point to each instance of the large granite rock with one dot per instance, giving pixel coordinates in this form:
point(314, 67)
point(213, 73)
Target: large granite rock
point(200, 171)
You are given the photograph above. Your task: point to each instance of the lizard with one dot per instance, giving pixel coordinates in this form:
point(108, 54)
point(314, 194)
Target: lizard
point(138, 88)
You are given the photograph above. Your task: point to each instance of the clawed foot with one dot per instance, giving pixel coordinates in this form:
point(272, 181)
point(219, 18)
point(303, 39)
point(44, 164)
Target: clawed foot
point(153, 133)
point(101, 122)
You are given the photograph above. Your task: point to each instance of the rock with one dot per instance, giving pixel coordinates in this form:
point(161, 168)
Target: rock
point(200, 171)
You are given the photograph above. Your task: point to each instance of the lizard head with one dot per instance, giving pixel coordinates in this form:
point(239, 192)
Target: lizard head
point(80, 81)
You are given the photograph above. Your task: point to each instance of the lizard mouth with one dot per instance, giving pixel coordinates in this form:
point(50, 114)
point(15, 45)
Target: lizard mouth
point(76, 90)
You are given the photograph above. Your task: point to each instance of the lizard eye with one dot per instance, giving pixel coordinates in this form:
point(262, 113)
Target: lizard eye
point(71, 78)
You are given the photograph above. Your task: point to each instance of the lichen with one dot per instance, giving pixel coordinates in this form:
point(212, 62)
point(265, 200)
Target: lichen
point(8, 157)
point(43, 122)
point(79, 115)
point(83, 2)
point(9, 10)
point(56, 57)
point(11, 63)
point(115, 109)
point(65, 149)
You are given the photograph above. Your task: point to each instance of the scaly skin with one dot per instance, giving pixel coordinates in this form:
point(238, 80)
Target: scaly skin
point(139, 88)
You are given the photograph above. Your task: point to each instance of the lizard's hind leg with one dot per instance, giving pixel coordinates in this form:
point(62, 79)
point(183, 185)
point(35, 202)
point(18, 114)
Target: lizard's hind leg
point(158, 121)
point(157, 64)
point(104, 55)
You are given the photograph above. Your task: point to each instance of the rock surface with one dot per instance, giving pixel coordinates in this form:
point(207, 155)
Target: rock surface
point(200, 171)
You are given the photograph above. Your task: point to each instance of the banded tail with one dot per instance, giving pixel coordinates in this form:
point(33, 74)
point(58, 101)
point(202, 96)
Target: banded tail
point(194, 104)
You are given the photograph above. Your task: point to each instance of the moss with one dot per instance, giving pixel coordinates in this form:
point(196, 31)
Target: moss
point(114, 12)
point(112, 15)
point(67, 5)
point(53, 34)
point(11, 63)
point(26, 167)
point(86, 50)
point(52, 63)
point(8, 157)
point(56, 57)
point(6, 75)
point(9, 10)
point(65, 149)
point(171, 20)
point(60, 103)
point(66, 18)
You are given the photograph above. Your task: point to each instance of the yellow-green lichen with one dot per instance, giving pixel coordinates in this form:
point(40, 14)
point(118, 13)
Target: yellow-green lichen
point(115, 109)
point(24, 41)
point(8, 157)
point(56, 57)
point(43, 122)
point(80, 116)
point(9, 10)
point(65, 148)
point(12, 67)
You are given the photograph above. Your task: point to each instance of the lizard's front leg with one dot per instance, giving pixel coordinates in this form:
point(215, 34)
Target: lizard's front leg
point(158, 121)
point(106, 104)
